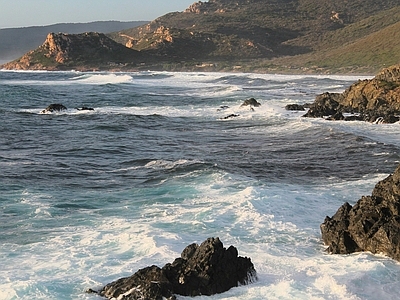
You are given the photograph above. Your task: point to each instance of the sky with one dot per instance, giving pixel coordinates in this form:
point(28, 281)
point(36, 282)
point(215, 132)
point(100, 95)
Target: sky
point(24, 13)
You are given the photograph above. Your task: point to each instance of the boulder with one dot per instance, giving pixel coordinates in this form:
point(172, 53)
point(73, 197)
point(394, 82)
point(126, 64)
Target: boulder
point(372, 224)
point(324, 105)
point(251, 102)
point(204, 269)
point(54, 108)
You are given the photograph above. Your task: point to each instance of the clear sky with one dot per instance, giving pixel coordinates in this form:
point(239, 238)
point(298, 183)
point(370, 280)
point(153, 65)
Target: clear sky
point(23, 13)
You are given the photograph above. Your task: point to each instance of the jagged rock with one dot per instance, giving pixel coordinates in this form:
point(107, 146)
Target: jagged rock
point(251, 102)
point(372, 224)
point(204, 269)
point(373, 99)
point(55, 107)
point(209, 269)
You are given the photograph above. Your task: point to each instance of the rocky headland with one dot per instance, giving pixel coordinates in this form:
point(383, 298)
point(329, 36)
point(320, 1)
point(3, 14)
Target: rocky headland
point(84, 52)
point(372, 100)
point(372, 224)
point(204, 269)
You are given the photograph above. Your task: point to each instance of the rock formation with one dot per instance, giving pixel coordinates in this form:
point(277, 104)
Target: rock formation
point(372, 100)
point(86, 51)
point(251, 102)
point(372, 224)
point(55, 107)
point(204, 269)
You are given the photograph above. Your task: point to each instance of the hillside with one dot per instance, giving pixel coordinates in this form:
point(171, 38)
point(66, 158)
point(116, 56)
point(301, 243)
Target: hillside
point(358, 36)
point(15, 42)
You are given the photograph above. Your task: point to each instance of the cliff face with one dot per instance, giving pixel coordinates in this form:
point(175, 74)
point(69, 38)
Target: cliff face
point(83, 51)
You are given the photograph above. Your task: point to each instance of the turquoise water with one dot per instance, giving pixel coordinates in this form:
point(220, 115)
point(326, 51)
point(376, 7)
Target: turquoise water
point(88, 197)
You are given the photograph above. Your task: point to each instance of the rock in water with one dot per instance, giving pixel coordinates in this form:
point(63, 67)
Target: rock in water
point(372, 224)
point(209, 269)
point(148, 283)
point(54, 108)
point(251, 102)
point(204, 269)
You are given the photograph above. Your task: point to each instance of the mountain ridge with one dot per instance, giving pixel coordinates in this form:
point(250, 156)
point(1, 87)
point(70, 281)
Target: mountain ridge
point(269, 35)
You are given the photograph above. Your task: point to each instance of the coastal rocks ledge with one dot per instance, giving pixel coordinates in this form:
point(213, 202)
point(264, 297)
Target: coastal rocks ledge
point(372, 224)
point(375, 100)
point(204, 269)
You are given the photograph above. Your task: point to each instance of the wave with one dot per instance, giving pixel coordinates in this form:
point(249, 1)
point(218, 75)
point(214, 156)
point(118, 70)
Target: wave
point(111, 78)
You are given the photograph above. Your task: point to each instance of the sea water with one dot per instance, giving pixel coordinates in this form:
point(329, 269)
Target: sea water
point(88, 197)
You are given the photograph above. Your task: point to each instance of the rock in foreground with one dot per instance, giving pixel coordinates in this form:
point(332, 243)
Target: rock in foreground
point(204, 269)
point(372, 224)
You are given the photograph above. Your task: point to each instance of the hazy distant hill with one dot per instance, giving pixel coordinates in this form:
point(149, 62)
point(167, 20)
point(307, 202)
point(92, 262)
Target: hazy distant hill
point(14, 42)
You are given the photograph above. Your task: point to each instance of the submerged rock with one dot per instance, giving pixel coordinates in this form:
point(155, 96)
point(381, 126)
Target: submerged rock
point(372, 224)
point(54, 108)
point(204, 269)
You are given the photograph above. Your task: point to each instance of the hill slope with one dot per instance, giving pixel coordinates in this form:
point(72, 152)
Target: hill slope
point(271, 35)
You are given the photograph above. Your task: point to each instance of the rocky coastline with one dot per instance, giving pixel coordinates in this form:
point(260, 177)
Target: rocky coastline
point(375, 100)
point(204, 269)
point(372, 224)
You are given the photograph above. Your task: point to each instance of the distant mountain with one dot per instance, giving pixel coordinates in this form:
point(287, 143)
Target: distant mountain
point(338, 36)
point(14, 42)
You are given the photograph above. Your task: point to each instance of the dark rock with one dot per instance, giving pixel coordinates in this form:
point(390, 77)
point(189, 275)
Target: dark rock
point(201, 270)
point(338, 116)
point(324, 105)
point(230, 116)
point(148, 283)
point(295, 107)
point(372, 224)
point(54, 108)
point(222, 107)
point(209, 269)
point(251, 102)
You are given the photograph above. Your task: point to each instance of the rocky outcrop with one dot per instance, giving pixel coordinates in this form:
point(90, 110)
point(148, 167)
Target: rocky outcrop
point(251, 102)
point(86, 51)
point(55, 107)
point(372, 224)
point(373, 100)
point(204, 269)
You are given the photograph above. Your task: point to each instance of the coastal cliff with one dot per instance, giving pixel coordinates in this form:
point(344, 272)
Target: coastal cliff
point(87, 51)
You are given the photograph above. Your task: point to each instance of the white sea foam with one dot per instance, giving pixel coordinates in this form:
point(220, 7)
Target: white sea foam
point(110, 78)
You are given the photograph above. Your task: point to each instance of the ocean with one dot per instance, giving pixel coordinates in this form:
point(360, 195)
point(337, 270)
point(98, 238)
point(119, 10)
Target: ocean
point(88, 197)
